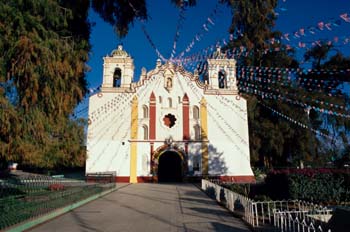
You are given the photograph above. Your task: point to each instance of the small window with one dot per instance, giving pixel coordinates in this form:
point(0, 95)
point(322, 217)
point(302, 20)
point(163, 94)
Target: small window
point(145, 111)
point(145, 132)
point(170, 102)
point(197, 132)
point(160, 99)
point(179, 99)
point(195, 112)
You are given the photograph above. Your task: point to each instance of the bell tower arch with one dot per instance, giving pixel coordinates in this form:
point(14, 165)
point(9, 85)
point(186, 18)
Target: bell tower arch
point(118, 70)
point(222, 72)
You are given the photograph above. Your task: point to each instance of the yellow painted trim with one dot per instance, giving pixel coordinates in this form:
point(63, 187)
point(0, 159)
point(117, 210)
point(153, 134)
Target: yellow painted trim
point(133, 145)
point(204, 134)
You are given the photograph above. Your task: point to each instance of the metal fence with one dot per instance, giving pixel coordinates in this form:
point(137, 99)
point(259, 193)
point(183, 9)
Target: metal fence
point(26, 197)
point(300, 221)
point(257, 213)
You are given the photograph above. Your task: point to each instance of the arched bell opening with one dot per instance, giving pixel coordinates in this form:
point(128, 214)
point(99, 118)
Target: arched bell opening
point(222, 79)
point(117, 77)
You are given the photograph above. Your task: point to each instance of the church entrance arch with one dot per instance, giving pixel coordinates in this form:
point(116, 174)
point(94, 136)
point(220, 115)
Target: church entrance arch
point(170, 167)
point(169, 164)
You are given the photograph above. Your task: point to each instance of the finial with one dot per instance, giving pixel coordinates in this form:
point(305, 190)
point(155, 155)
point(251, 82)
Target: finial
point(159, 63)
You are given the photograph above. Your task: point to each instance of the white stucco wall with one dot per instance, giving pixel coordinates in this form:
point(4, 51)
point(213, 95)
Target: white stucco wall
point(108, 133)
point(228, 135)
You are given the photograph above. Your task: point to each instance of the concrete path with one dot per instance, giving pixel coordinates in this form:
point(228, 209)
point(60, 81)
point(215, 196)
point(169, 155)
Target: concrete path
point(148, 207)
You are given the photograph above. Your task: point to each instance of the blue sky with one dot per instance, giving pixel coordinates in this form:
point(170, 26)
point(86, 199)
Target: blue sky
point(161, 26)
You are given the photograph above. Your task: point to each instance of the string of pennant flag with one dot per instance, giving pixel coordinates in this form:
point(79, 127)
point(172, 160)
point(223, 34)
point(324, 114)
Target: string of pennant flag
point(179, 25)
point(296, 78)
point(319, 27)
point(296, 122)
point(242, 51)
point(147, 35)
point(204, 29)
point(303, 32)
point(292, 96)
point(252, 89)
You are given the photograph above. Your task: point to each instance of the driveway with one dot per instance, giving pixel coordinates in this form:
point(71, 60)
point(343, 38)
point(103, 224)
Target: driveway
point(148, 207)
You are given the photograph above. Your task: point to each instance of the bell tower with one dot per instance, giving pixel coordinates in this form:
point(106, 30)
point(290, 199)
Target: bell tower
point(118, 70)
point(222, 72)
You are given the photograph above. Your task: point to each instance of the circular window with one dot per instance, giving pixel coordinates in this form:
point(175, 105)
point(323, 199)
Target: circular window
point(169, 120)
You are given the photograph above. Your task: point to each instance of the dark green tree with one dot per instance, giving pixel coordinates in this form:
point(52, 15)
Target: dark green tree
point(44, 46)
point(121, 13)
point(274, 141)
point(331, 89)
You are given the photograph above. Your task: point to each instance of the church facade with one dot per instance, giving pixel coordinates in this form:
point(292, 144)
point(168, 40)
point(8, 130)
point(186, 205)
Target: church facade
point(168, 126)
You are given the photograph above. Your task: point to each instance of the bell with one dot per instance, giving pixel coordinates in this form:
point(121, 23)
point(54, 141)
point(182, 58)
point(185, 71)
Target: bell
point(117, 74)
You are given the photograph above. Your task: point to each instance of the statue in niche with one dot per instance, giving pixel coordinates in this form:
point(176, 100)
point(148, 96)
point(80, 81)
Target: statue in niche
point(169, 83)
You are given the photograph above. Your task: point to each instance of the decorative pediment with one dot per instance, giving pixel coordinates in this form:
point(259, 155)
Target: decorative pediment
point(168, 72)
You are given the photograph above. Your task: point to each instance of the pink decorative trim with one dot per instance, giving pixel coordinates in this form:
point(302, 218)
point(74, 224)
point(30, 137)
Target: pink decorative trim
point(186, 118)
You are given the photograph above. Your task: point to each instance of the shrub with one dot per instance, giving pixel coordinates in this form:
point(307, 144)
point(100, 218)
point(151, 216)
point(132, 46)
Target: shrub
point(249, 190)
point(243, 189)
point(317, 185)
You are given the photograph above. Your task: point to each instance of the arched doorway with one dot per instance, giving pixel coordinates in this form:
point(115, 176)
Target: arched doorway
point(170, 167)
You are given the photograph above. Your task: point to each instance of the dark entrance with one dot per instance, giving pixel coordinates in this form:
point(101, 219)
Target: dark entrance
point(170, 167)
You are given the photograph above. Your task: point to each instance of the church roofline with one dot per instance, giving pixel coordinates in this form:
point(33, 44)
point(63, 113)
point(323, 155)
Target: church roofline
point(175, 68)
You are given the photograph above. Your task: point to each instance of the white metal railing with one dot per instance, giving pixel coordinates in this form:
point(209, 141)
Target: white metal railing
point(233, 201)
point(256, 213)
point(300, 221)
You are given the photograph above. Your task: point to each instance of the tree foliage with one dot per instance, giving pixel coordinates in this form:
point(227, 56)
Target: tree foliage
point(332, 90)
point(121, 13)
point(252, 22)
point(275, 141)
point(44, 48)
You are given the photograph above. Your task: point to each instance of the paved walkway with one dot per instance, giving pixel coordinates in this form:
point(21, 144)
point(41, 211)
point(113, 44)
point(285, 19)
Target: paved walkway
point(148, 207)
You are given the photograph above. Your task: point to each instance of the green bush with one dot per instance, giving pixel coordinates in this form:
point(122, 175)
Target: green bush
point(329, 186)
point(243, 189)
point(256, 191)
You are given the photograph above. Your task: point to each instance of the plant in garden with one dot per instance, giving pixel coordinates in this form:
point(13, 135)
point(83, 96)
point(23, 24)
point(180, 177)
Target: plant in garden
point(327, 186)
